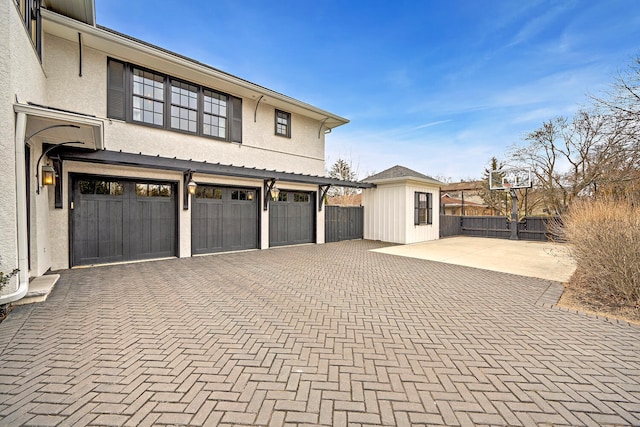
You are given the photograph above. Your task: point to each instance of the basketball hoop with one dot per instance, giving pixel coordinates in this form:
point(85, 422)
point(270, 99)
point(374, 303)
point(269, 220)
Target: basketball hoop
point(510, 179)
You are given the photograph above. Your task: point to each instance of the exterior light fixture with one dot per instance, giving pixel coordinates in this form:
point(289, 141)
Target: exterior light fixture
point(275, 192)
point(250, 195)
point(48, 172)
point(191, 187)
point(270, 192)
point(48, 175)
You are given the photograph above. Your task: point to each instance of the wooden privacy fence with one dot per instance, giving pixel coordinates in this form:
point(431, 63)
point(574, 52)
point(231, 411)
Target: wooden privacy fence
point(529, 228)
point(343, 223)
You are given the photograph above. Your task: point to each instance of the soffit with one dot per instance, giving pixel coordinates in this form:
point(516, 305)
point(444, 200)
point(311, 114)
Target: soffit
point(80, 10)
point(128, 49)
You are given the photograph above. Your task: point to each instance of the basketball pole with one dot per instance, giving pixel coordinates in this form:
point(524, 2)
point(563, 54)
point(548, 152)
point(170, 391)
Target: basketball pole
point(513, 226)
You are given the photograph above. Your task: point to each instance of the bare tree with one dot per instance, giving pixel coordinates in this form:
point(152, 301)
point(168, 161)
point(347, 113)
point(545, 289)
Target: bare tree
point(570, 157)
point(621, 104)
point(492, 198)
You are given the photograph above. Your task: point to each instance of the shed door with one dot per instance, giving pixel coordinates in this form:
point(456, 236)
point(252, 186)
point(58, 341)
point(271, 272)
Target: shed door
point(223, 219)
point(292, 219)
point(117, 220)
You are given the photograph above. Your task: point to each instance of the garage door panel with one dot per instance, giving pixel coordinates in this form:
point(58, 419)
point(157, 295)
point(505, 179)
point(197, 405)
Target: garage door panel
point(98, 235)
point(112, 223)
point(206, 221)
point(292, 219)
point(230, 221)
point(156, 220)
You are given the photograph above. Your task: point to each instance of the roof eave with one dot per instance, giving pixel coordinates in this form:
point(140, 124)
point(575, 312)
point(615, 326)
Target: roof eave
point(121, 46)
point(403, 179)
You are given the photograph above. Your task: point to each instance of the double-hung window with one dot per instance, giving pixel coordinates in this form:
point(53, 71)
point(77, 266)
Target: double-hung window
point(283, 123)
point(214, 117)
point(184, 106)
point(146, 97)
point(423, 208)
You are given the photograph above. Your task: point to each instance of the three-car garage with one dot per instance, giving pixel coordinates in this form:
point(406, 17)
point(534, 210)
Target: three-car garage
point(116, 219)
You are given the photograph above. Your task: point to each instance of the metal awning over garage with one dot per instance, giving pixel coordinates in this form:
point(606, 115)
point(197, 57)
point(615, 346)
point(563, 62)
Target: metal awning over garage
point(189, 167)
point(174, 164)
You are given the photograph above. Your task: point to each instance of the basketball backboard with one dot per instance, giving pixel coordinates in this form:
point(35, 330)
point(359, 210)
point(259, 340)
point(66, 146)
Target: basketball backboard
point(507, 179)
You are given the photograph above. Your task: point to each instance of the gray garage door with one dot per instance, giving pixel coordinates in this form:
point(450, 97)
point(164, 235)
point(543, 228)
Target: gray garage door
point(223, 219)
point(116, 220)
point(292, 219)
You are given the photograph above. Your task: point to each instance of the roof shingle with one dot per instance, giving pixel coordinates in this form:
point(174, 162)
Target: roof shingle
point(399, 172)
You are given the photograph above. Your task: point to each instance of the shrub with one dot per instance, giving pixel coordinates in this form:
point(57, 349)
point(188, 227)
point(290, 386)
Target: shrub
point(5, 277)
point(604, 237)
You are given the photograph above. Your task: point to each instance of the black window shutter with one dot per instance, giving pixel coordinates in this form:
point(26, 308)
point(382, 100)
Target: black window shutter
point(236, 119)
point(416, 209)
point(116, 90)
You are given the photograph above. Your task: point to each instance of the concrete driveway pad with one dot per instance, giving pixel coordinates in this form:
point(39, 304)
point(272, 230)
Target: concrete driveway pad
point(544, 260)
point(332, 334)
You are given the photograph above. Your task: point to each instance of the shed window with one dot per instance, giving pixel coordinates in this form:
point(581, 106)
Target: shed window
point(423, 213)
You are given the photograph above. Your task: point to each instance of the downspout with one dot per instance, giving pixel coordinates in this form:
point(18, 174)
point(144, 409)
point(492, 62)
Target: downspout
point(21, 214)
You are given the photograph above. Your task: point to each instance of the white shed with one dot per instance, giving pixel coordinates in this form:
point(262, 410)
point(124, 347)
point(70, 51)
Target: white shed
point(403, 207)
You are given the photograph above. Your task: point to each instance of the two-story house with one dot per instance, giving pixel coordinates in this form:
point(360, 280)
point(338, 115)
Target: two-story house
point(114, 150)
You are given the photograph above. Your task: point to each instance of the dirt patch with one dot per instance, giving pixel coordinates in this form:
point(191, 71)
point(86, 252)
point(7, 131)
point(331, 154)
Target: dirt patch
point(580, 296)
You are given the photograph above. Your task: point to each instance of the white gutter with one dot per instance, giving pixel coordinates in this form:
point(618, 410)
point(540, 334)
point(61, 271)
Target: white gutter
point(21, 214)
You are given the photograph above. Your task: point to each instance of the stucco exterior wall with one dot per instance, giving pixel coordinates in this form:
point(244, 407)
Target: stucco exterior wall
point(21, 77)
point(261, 148)
point(58, 219)
point(66, 82)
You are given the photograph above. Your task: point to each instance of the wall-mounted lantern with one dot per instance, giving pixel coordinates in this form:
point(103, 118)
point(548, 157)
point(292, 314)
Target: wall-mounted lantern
point(270, 192)
point(275, 192)
point(190, 187)
point(48, 174)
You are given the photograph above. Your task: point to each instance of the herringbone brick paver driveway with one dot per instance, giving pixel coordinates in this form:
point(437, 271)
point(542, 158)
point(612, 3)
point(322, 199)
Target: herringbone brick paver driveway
point(330, 334)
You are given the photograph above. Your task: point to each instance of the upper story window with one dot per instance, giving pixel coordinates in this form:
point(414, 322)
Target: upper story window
point(283, 123)
point(184, 107)
point(423, 213)
point(215, 114)
point(30, 12)
point(146, 97)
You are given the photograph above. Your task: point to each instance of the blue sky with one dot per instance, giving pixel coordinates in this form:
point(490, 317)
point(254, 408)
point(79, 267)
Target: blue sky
point(436, 86)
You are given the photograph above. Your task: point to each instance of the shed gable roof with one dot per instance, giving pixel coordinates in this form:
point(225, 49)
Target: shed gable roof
point(401, 173)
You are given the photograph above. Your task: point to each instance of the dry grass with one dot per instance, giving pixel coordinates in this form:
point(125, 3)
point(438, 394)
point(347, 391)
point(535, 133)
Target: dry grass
point(582, 297)
point(605, 239)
